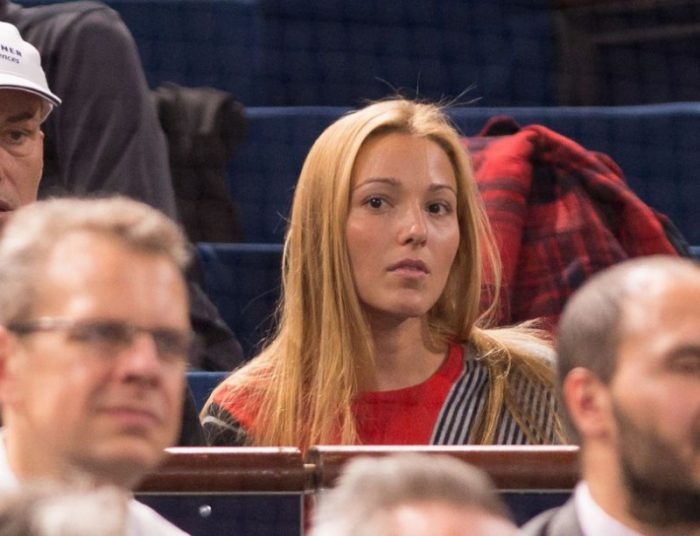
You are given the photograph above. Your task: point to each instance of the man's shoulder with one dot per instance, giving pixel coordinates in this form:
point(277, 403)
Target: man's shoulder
point(144, 521)
point(561, 521)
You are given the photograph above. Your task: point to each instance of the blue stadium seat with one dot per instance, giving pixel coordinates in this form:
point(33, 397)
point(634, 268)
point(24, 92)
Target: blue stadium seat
point(243, 282)
point(331, 52)
point(266, 165)
point(194, 42)
point(202, 383)
point(334, 52)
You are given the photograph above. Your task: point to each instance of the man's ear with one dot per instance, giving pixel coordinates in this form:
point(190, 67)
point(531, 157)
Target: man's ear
point(587, 401)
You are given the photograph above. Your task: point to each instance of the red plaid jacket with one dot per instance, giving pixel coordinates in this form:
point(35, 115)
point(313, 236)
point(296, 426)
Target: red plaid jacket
point(559, 212)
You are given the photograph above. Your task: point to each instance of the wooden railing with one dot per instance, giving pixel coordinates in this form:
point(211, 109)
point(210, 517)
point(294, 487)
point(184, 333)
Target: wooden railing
point(511, 468)
point(286, 470)
point(229, 470)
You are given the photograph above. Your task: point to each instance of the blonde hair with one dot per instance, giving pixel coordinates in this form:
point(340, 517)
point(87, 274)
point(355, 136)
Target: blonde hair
point(303, 383)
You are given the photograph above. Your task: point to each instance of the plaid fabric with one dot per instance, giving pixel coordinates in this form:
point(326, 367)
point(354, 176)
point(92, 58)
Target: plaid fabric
point(559, 212)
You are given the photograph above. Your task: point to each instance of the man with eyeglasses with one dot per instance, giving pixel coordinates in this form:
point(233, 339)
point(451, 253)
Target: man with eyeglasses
point(94, 339)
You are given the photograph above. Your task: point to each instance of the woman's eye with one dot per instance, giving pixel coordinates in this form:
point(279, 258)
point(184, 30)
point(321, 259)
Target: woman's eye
point(375, 202)
point(439, 208)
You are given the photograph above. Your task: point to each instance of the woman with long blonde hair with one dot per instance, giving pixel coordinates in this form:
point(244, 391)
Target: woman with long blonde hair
point(380, 339)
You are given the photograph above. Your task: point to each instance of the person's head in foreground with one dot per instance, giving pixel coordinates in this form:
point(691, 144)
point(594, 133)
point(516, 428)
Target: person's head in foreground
point(48, 509)
point(629, 360)
point(94, 335)
point(411, 495)
point(382, 284)
point(25, 102)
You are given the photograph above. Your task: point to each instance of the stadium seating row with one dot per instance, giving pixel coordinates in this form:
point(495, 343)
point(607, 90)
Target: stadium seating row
point(233, 44)
point(243, 282)
point(334, 52)
point(655, 145)
point(320, 52)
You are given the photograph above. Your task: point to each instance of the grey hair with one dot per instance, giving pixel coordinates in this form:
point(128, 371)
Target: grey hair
point(48, 509)
point(34, 230)
point(371, 487)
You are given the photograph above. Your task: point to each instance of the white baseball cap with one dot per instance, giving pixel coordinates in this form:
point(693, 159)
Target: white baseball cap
point(20, 66)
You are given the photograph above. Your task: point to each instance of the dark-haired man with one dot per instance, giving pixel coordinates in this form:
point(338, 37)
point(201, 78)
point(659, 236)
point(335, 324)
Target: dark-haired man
point(629, 365)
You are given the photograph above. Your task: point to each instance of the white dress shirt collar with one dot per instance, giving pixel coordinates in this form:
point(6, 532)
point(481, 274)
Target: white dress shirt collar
point(8, 480)
point(593, 519)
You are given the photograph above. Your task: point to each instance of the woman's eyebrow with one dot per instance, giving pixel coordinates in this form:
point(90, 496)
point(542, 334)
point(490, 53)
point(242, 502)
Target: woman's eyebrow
point(389, 181)
point(440, 186)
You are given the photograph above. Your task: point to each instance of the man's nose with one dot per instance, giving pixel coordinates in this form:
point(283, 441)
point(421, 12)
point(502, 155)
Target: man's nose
point(140, 360)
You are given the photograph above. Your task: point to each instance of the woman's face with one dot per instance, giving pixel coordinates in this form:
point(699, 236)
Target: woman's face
point(402, 230)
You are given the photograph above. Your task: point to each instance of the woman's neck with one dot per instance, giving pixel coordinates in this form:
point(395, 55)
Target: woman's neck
point(404, 354)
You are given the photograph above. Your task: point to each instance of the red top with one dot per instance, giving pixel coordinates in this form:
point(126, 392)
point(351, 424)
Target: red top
point(407, 416)
point(441, 410)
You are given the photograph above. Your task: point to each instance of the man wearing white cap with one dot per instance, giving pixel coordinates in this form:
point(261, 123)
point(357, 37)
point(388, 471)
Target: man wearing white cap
point(106, 137)
point(25, 101)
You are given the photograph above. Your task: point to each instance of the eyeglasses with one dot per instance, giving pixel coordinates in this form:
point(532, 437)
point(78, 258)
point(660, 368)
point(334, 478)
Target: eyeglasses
point(110, 337)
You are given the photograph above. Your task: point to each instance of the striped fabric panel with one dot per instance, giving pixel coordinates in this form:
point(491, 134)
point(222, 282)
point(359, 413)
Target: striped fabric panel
point(221, 429)
point(463, 404)
point(466, 400)
point(541, 406)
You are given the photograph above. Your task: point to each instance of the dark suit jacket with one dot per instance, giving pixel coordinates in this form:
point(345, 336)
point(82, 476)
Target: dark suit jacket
point(560, 521)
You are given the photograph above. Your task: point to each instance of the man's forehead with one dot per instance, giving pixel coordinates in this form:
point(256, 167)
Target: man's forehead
point(651, 295)
point(86, 248)
point(661, 319)
point(88, 270)
point(17, 105)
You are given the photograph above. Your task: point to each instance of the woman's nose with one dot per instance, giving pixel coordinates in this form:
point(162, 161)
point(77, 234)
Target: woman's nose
point(413, 227)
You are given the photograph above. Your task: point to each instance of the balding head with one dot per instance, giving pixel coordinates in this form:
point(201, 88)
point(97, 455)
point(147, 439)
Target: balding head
point(597, 316)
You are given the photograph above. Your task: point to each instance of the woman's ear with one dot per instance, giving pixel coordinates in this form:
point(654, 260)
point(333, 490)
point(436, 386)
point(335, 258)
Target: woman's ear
point(587, 401)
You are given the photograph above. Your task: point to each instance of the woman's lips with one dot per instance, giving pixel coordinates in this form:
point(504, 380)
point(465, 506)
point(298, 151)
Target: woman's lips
point(410, 268)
